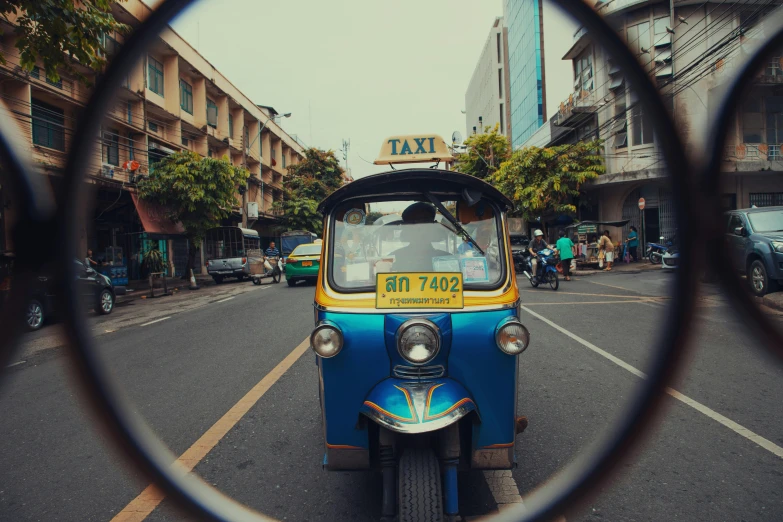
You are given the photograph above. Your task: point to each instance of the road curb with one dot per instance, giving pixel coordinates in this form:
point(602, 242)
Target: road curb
point(774, 301)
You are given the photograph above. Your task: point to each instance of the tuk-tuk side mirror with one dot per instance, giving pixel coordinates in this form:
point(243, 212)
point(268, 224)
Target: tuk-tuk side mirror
point(471, 197)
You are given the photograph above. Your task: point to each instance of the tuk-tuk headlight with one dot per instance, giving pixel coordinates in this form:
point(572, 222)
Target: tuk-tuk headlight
point(326, 340)
point(512, 337)
point(418, 341)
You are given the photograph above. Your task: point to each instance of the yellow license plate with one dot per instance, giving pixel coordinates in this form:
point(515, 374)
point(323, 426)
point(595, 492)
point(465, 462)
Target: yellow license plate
point(307, 263)
point(419, 290)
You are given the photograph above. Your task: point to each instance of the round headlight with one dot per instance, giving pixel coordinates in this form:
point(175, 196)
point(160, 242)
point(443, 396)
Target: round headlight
point(326, 340)
point(512, 338)
point(418, 341)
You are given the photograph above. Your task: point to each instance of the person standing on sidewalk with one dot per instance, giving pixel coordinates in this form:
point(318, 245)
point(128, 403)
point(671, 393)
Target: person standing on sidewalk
point(565, 248)
point(607, 246)
point(633, 243)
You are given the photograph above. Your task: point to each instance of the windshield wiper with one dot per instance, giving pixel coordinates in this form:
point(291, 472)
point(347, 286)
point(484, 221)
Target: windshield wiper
point(445, 212)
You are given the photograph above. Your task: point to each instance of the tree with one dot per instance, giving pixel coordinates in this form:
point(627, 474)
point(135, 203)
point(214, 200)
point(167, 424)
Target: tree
point(372, 217)
point(485, 153)
point(306, 185)
point(540, 180)
point(196, 192)
point(61, 33)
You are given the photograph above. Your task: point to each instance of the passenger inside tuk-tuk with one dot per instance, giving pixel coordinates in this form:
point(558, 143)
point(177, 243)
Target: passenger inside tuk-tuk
point(418, 239)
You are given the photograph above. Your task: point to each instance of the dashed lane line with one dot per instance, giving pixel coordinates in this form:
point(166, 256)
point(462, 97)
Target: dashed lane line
point(701, 408)
point(226, 299)
point(156, 321)
point(144, 504)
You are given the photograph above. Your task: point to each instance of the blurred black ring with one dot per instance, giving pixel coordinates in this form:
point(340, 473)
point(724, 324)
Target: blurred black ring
point(145, 450)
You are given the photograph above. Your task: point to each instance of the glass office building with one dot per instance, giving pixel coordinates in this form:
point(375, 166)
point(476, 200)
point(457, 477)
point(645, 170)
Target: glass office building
point(524, 20)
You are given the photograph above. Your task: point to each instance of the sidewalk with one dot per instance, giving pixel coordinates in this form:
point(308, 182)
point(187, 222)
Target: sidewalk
point(625, 268)
point(141, 289)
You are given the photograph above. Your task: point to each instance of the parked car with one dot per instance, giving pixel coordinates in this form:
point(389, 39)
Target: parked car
point(303, 263)
point(96, 289)
point(754, 242)
point(670, 259)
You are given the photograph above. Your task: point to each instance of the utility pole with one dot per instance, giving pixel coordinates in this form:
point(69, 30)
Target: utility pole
point(346, 147)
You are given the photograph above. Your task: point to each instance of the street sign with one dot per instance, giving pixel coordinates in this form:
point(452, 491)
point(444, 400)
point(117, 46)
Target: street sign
point(641, 203)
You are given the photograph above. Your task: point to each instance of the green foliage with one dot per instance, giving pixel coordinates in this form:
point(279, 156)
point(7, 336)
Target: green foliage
point(540, 180)
point(61, 33)
point(197, 192)
point(153, 261)
point(307, 184)
point(372, 217)
point(485, 153)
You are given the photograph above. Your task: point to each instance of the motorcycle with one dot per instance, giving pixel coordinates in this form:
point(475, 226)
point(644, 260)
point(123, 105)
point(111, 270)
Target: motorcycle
point(272, 267)
point(655, 251)
point(547, 271)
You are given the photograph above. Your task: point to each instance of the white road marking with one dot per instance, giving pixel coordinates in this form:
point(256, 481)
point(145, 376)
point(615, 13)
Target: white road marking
point(156, 321)
point(503, 487)
point(701, 408)
point(226, 299)
point(17, 363)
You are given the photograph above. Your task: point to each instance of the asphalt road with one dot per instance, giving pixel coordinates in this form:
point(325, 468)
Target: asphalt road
point(186, 371)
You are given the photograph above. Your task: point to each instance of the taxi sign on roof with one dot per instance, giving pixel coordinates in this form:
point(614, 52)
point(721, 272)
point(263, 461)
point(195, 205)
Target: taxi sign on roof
point(418, 148)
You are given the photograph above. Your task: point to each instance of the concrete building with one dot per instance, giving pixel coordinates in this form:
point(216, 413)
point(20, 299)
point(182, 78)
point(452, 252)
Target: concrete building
point(692, 62)
point(487, 98)
point(173, 100)
point(527, 77)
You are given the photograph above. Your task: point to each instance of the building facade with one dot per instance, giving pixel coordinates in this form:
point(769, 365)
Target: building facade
point(691, 53)
point(524, 20)
point(173, 100)
point(487, 98)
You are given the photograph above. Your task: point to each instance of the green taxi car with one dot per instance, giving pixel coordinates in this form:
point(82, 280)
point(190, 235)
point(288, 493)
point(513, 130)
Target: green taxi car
point(303, 263)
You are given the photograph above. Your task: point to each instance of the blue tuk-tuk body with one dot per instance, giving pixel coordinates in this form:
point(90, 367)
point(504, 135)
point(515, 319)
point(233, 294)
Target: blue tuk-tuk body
point(384, 409)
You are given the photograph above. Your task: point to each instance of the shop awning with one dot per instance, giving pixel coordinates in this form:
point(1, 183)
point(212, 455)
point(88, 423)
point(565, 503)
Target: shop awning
point(154, 219)
point(601, 223)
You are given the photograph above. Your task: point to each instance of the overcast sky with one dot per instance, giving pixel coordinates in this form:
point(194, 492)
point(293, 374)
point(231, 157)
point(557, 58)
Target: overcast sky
point(358, 69)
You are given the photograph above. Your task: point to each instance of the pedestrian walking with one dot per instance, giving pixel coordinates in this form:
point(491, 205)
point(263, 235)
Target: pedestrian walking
point(605, 244)
point(565, 248)
point(633, 243)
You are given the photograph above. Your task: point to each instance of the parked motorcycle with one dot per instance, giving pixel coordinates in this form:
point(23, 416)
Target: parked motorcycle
point(655, 251)
point(547, 271)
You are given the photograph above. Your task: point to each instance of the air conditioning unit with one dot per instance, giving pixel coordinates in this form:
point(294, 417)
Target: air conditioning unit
point(107, 170)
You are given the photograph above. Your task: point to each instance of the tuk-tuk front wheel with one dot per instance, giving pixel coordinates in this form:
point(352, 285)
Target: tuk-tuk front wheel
point(419, 497)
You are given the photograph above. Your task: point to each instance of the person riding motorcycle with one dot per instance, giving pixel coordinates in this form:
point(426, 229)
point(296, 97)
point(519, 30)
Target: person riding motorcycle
point(537, 245)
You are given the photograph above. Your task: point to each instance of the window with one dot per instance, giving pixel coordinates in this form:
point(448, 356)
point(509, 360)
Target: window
point(111, 147)
point(498, 38)
point(48, 125)
point(130, 112)
point(502, 127)
point(500, 83)
point(752, 120)
point(212, 114)
point(620, 125)
point(185, 142)
point(186, 96)
point(283, 160)
point(583, 71)
point(641, 126)
point(735, 222)
point(230, 126)
point(765, 199)
point(639, 38)
point(661, 36)
point(155, 75)
point(131, 151)
point(152, 126)
point(36, 73)
point(209, 152)
point(773, 67)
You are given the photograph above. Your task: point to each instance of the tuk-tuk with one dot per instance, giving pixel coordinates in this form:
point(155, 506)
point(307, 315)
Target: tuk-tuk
point(233, 252)
point(417, 332)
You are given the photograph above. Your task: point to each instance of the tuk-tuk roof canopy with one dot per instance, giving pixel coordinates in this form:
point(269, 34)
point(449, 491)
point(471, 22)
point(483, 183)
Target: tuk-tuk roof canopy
point(413, 182)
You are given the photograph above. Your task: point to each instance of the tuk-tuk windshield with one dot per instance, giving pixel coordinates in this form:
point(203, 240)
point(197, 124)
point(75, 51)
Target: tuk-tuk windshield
point(413, 236)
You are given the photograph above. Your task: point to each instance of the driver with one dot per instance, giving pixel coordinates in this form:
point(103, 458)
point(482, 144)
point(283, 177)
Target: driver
point(419, 230)
point(537, 245)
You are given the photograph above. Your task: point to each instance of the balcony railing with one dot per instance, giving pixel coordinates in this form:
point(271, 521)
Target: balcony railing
point(577, 108)
point(753, 152)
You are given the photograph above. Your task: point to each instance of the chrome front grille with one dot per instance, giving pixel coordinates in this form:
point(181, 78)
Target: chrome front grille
point(419, 373)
